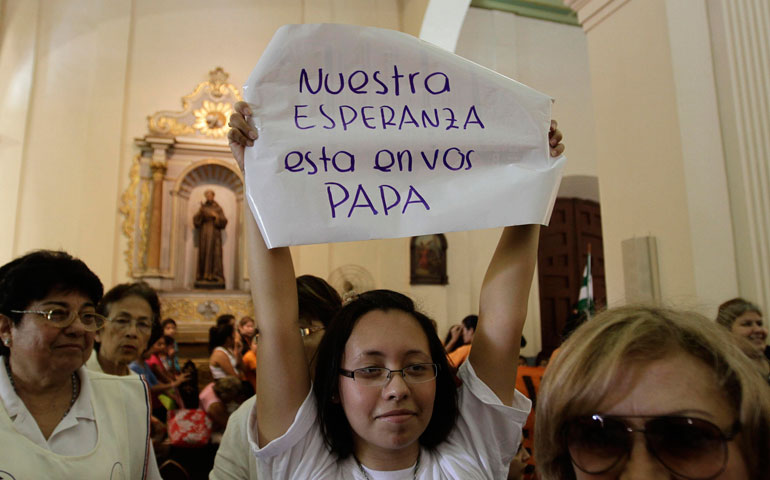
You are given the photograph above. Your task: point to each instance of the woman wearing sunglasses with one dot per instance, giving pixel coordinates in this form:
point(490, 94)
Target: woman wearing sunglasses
point(384, 403)
point(656, 394)
point(57, 418)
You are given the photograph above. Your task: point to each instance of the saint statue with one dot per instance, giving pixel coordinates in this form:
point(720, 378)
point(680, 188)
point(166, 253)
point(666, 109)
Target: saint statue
point(210, 220)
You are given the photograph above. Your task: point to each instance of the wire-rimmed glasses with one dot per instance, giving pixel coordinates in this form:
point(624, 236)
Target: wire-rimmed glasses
point(379, 376)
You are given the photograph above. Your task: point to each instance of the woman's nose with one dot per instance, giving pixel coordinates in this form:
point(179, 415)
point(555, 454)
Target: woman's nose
point(641, 464)
point(396, 386)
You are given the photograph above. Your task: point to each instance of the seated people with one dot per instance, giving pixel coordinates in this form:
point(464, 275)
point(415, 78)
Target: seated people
point(164, 395)
point(318, 302)
point(219, 399)
point(172, 361)
point(641, 392)
point(246, 330)
point(458, 356)
point(59, 419)
point(250, 363)
point(454, 338)
point(384, 399)
point(224, 346)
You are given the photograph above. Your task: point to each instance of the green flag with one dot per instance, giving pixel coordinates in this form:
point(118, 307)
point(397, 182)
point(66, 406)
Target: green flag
point(586, 296)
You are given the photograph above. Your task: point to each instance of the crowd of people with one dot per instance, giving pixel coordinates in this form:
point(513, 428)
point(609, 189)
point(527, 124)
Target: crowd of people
point(92, 382)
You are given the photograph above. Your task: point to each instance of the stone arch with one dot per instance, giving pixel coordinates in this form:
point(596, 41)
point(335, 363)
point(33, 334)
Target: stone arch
point(209, 171)
point(228, 183)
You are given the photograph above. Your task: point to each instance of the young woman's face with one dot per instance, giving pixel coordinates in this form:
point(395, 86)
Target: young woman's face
point(247, 329)
point(750, 326)
point(391, 417)
point(159, 347)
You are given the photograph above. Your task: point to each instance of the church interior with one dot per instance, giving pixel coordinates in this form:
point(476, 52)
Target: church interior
point(663, 107)
point(114, 149)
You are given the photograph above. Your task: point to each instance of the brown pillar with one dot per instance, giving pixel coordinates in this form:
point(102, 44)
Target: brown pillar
point(156, 211)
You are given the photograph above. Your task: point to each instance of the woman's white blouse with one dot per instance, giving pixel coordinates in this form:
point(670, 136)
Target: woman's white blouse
point(76, 434)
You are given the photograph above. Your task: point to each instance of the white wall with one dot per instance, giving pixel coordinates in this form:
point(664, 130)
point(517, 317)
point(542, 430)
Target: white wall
point(80, 77)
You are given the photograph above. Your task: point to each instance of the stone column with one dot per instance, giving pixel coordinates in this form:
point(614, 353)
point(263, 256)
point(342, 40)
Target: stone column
point(741, 46)
point(660, 155)
point(158, 166)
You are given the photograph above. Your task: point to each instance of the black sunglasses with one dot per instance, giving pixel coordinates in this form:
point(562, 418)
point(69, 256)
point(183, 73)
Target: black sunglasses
point(691, 448)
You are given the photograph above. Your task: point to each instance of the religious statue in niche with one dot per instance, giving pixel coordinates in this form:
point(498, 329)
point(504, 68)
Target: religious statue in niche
point(428, 260)
point(209, 221)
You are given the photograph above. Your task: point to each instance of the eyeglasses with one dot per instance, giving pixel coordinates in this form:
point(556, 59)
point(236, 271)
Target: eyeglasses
point(63, 318)
point(380, 376)
point(691, 448)
point(123, 322)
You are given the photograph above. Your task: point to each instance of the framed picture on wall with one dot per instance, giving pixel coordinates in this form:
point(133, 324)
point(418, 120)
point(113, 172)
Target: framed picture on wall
point(427, 254)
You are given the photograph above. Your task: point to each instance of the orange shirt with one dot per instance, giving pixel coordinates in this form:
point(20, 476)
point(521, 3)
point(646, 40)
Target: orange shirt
point(457, 357)
point(534, 375)
point(250, 368)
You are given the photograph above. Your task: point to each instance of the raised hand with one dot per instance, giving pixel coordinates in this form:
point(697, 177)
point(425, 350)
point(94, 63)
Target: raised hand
point(241, 134)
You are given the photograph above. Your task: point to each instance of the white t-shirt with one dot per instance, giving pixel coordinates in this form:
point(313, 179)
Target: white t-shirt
point(481, 446)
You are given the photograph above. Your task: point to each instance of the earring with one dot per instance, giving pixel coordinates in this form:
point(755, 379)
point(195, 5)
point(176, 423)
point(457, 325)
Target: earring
point(7, 342)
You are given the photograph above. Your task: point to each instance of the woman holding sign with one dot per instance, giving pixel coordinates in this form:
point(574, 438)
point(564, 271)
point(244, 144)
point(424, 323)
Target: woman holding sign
point(384, 403)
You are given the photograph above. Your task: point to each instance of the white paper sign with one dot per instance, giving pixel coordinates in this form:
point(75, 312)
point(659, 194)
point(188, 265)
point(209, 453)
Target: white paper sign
point(372, 133)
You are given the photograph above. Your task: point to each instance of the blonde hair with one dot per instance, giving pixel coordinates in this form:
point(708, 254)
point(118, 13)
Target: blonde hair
point(586, 369)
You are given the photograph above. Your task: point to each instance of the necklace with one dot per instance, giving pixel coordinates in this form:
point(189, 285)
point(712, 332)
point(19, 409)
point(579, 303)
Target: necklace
point(414, 472)
point(75, 386)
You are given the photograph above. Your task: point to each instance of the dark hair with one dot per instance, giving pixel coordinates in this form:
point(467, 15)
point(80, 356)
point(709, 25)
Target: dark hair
point(317, 299)
point(225, 319)
point(218, 334)
point(732, 309)
point(139, 289)
point(448, 338)
point(38, 274)
point(471, 321)
point(168, 339)
point(168, 321)
point(227, 389)
point(336, 430)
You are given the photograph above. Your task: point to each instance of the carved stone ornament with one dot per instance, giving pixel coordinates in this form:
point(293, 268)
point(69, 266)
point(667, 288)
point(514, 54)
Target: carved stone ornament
point(206, 110)
point(182, 154)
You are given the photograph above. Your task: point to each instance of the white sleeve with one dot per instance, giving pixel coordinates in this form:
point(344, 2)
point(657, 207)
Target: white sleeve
point(487, 432)
point(233, 460)
point(298, 454)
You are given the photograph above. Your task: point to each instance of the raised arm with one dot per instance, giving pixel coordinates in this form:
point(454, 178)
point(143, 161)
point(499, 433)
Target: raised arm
point(503, 309)
point(503, 301)
point(283, 380)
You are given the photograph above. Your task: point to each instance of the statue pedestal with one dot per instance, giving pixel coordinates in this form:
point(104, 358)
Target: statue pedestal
point(210, 284)
point(195, 311)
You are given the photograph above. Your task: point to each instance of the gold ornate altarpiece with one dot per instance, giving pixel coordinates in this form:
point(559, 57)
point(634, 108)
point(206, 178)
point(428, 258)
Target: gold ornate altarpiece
point(181, 153)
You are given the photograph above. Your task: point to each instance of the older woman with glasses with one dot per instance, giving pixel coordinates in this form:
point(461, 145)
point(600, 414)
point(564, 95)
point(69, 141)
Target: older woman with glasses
point(131, 311)
point(652, 393)
point(59, 417)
